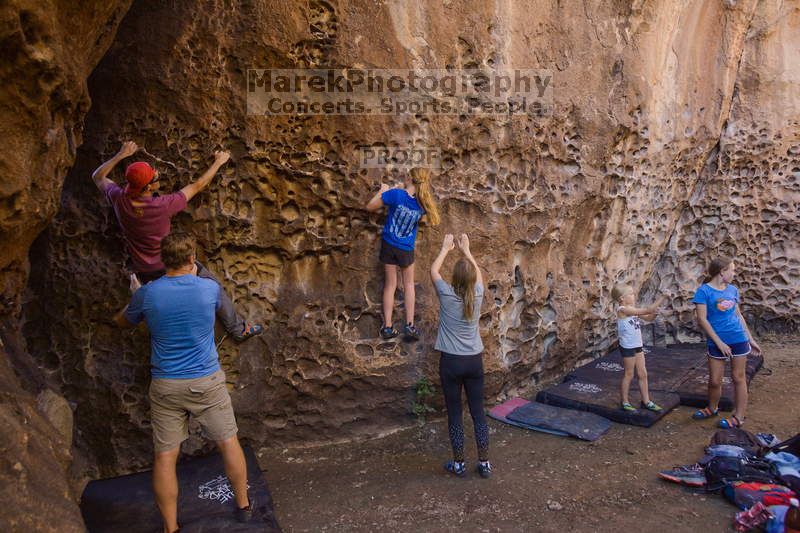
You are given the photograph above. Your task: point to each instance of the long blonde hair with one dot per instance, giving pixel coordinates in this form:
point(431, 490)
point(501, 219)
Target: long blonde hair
point(420, 177)
point(464, 277)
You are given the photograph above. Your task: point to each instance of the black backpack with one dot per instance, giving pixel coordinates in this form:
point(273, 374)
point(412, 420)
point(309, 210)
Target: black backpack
point(721, 471)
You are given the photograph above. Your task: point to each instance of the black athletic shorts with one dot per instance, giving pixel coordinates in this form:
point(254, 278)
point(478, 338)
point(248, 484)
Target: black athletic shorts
point(629, 352)
point(391, 255)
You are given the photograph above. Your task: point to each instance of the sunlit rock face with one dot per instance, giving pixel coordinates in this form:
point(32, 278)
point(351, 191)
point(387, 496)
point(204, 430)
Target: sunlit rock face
point(746, 205)
point(658, 109)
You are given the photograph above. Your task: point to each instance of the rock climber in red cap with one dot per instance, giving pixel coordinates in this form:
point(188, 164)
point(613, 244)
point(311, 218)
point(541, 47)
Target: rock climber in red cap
point(145, 218)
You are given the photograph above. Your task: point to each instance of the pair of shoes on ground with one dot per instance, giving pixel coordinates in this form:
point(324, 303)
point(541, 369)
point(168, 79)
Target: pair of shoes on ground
point(731, 422)
point(409, 330)
point(459, 468)
point(650, 406)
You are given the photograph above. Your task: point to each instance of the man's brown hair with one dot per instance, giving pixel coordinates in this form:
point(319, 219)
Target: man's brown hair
point(177, 250)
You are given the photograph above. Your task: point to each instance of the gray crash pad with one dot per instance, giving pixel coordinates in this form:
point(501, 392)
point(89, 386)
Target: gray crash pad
point(579, 424)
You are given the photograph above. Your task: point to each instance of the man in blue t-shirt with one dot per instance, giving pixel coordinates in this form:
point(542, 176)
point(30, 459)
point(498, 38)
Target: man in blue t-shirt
point(179, 310)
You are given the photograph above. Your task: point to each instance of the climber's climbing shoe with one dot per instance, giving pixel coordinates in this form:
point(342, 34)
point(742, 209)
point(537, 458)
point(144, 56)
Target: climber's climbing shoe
point(249, 330)
point(410, 332)
point(388, 333)
point(652, 406)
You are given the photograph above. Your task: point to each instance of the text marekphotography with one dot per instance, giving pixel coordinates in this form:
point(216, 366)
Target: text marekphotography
point(521, 92)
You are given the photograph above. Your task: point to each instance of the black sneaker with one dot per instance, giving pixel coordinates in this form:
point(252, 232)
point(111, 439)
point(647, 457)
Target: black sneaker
point(411, 332)
point(388, 333)
point(243, 515)
point(457, 468)
point(485, 469)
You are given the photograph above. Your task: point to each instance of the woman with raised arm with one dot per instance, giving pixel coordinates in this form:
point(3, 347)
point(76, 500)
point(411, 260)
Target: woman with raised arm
point(461, 348)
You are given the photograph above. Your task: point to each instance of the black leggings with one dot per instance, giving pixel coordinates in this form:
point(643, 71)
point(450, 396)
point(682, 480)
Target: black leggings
point(466, 370)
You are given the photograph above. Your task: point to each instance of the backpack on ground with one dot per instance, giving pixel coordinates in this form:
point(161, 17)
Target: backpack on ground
point(745, 494)
point(721, 471)
point(736, 437)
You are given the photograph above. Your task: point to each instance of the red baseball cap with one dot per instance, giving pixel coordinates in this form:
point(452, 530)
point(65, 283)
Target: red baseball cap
point(139, 174)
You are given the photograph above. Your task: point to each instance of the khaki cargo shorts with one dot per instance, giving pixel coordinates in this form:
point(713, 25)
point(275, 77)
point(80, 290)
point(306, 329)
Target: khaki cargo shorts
point(206, 399)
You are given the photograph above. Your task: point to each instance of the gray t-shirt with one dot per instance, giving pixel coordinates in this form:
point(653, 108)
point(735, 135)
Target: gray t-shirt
point(456, 335)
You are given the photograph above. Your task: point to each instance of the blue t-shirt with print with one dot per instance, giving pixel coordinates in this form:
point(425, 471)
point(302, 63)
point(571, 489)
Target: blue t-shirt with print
point(400, 228)
point(180, 313)
point(721, 312)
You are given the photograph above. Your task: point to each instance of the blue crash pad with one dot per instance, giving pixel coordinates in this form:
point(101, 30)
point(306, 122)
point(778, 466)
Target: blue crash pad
point(501, 411)
point(579, 424)
point(534, 416)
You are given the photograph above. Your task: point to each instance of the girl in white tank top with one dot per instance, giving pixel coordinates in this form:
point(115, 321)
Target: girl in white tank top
point(629, 330)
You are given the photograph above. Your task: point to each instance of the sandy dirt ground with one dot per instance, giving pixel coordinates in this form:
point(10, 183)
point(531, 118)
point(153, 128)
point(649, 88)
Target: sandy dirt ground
point(541, 482)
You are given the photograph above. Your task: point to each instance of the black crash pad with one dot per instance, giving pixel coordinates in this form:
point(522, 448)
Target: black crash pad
point(603, 399)
point(542, 417)
point(205, 500)
point(676, 371)
point(693, 391)
point(667, 368)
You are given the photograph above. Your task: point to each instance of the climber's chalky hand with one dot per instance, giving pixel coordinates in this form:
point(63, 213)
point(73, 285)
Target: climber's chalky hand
point(128, 149)
point(221, 157)
point(463, 243)
point(447, 243)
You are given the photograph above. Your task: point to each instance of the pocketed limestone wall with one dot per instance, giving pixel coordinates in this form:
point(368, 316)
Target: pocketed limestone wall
point(618, 185)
